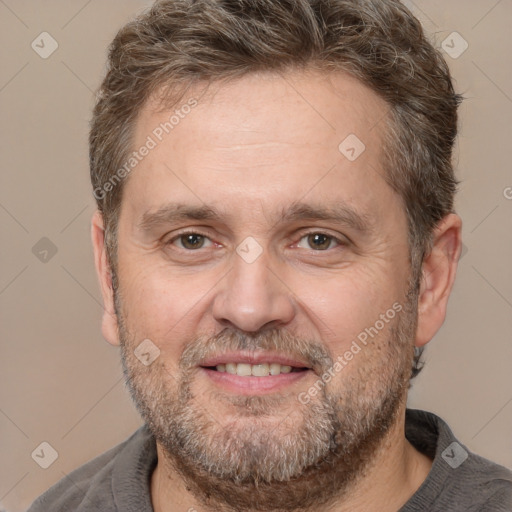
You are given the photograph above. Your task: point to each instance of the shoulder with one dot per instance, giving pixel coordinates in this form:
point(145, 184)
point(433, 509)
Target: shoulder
point(91, 487)
point(501, 500)
point(459, 479)
point(487, 483)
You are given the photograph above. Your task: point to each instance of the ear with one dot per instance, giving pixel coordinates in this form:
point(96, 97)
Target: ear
point(109, 325)
point(438, 275)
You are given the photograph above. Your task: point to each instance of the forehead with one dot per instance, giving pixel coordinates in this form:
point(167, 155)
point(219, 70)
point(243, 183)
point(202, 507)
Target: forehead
point(267, 137)
point(265, 105)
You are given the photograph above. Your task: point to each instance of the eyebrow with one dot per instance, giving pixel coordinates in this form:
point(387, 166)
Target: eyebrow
point(341, 213)
point(176, 212)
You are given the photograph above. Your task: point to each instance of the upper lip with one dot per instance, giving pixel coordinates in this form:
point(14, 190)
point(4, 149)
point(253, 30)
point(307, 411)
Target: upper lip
point(259, 357)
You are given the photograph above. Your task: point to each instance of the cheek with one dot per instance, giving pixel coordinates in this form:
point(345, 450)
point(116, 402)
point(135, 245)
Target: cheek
point(344, 305)
point(163, 308)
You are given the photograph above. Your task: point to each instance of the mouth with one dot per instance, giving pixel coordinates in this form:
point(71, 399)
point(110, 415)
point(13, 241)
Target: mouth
point(254, 373)
point(255, 370)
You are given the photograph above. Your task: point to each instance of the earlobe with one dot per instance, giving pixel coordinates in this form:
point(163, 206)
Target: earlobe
point(438, 275)
point(109, 324)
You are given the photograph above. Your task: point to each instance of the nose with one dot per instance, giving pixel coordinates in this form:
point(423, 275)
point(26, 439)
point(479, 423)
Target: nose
point(253, 297)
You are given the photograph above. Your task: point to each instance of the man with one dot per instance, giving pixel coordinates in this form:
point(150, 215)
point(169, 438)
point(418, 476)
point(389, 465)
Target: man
point(276, 242)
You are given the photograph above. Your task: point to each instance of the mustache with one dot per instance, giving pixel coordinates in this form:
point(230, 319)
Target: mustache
point(316, 354)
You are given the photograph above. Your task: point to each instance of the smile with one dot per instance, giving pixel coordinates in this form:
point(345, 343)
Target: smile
point(256, 370)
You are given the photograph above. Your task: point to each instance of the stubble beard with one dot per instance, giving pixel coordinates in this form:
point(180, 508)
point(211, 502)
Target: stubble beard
point(309, 458)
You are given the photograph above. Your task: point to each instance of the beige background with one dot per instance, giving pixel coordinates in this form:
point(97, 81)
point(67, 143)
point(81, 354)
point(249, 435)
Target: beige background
point(62, 383)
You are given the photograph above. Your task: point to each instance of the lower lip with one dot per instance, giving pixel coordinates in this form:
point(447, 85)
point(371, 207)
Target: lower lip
point(254, 385)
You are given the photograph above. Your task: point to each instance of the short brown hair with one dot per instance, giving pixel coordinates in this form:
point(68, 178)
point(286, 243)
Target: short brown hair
point(179, 43)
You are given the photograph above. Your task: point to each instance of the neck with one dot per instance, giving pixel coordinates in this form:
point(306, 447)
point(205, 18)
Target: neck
point(392, 475)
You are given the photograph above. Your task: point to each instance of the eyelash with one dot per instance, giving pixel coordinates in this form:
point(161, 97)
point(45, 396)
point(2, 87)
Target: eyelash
point(338, 241)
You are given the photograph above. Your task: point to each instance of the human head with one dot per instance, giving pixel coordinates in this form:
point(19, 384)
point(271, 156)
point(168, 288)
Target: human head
point(232, 178)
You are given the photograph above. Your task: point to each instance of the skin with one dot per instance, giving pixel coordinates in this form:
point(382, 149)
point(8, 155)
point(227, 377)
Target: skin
point(251, 148)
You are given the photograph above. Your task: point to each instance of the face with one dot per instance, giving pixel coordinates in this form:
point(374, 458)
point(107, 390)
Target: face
point(269, 270)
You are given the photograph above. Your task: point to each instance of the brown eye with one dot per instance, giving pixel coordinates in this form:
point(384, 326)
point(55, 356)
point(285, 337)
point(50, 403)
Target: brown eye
point(318, 241)
point(192, 241)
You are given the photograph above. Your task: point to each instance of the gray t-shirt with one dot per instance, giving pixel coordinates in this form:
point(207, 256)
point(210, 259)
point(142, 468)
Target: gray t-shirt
point(459, 481)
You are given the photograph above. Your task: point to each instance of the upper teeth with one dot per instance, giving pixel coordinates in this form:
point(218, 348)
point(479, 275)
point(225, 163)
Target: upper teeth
point(257, 370)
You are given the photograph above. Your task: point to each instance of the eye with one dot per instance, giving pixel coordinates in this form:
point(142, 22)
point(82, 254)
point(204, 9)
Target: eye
point(190, 241)
point(318, 241)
